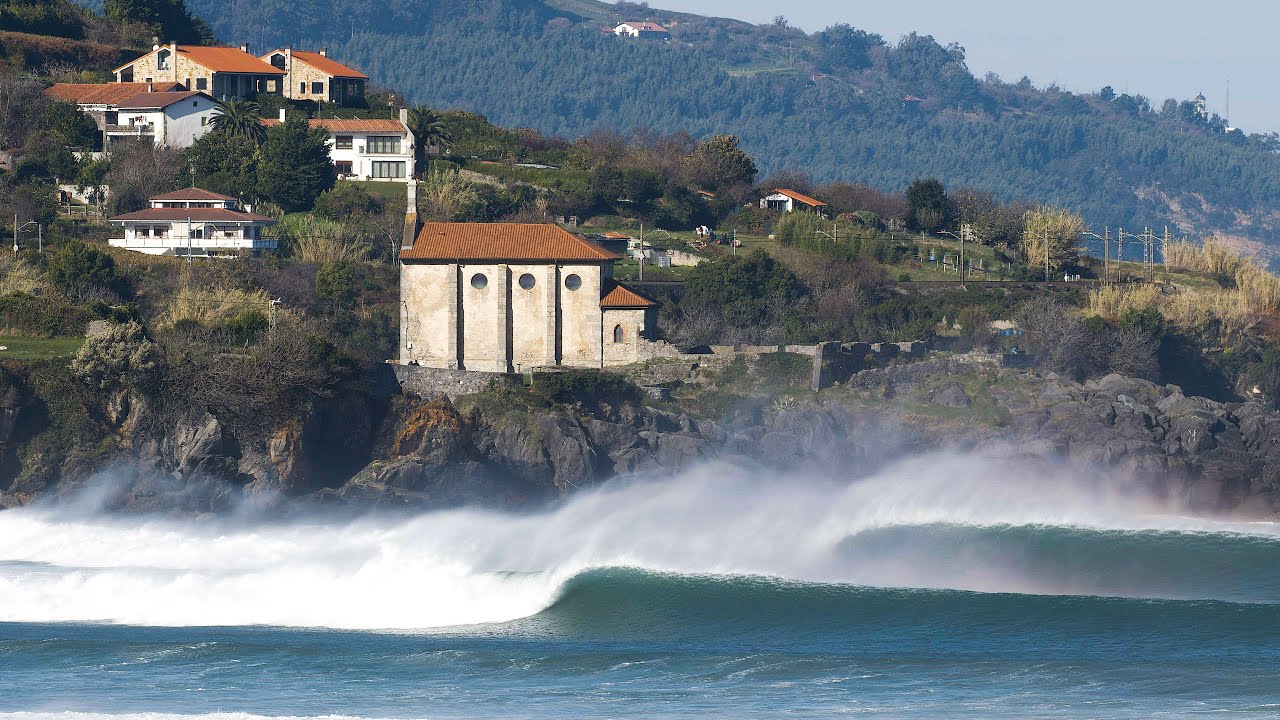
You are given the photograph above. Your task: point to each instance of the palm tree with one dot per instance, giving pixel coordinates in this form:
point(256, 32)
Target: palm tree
point(240, 119)
point(430, 134)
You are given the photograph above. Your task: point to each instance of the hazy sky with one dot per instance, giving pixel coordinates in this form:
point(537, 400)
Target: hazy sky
point(1174, 48)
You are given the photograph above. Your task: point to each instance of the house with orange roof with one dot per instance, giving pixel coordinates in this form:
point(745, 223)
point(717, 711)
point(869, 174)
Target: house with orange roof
point(223, 72)
point(790, 201)
point(101, 101)
point(167, 119)
point(193, 222)
point(508, 297)
point(367, 149)
point(316, 76)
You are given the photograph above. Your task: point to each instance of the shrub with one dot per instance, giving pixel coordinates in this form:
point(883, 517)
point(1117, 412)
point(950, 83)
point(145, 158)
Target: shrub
point(585, 386)
point(121, 356)
point(78, 270)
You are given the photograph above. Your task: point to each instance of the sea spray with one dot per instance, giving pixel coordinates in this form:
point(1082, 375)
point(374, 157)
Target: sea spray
point(939, 521)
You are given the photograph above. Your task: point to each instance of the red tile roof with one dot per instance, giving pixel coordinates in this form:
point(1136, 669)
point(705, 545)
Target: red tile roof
point(324, 64)
point(799, 197)
point(615, 295)
point(196, 194)
point(158, 100)
point(196, 214)
point(221, 59)
point(501, 242)
point(646, 26)
point(335, 125)
point(104, 93)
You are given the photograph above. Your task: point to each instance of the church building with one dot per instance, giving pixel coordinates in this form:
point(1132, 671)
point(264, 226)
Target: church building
point(506, 297)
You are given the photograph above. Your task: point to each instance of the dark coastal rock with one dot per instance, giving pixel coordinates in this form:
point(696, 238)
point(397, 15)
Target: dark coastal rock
point(952, 396)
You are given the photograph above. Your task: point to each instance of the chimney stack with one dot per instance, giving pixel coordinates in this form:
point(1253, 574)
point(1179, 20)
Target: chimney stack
point(324, 52)
point(410, 216)
point(404, 115)
point(244, 48)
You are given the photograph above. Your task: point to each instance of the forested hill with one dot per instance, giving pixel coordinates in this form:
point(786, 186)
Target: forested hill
point(833, 104)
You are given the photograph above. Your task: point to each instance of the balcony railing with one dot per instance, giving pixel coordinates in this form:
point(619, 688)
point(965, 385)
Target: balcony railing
point(181, 241)
point(140, 129)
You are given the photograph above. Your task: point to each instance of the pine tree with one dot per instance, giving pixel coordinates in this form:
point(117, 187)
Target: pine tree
point(295, 166)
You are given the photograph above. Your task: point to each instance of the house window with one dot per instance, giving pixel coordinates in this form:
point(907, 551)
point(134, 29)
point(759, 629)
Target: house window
point(343, 167)
point(302, 88)
point(386, 169)
point(143, 232)
point(317, 88)
point(384, 145)
point(197, 233)
point(618, 335)
point(202, 83)
point(342, 142)
point(573, 282)
point(162, 60)
point(277, 61)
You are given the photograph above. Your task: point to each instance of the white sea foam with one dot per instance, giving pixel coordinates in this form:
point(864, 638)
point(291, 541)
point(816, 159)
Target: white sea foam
point(466, 566)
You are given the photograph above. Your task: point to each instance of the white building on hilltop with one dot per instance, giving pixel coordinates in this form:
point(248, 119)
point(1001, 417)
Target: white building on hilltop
point(505, 297)
point(193, 222)
point(645, 30)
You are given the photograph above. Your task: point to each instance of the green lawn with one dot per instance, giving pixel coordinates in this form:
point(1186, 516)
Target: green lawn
point(379, 189)
point(25, 348)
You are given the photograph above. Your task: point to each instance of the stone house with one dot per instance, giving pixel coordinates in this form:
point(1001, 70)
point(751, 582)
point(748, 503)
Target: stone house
point(316, 76)
point(222, 72)
point(193, 221)
point(506, 297)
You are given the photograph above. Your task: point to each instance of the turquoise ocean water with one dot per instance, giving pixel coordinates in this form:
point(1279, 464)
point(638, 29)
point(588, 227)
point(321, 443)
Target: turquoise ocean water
point(717, 594)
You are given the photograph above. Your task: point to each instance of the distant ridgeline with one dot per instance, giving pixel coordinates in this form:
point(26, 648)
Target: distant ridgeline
point(841, 104)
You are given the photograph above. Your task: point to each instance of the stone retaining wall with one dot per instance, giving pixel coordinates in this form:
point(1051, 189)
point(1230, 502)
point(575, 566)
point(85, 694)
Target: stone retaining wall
point(428, 382)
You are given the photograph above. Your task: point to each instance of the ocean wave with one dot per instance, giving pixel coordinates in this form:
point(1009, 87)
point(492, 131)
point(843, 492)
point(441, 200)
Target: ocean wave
point(938, 522)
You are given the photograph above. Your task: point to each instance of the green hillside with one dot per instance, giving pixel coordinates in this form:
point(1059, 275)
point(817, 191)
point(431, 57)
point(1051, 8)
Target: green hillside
point(830, 103)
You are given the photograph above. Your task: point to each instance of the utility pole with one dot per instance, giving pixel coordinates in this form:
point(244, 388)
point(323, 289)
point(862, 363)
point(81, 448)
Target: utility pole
point(642, 252)
point(188, 239)
point(1119, 252)
point(1046, 256)
point(15, 233)
point(1106, 255)
point(274, 322)
point(40, 238)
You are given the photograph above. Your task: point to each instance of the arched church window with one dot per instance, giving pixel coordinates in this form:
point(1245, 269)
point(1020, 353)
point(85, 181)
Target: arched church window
point(527, 281)
point(479, 281)
point(573, 282)
point(618, 334)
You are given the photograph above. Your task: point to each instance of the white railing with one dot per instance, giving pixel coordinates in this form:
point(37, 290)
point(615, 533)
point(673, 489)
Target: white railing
point(181, 241)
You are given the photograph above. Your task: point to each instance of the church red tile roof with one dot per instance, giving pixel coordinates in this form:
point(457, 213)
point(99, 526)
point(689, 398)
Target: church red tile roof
point(615, 295)
point(502, 242)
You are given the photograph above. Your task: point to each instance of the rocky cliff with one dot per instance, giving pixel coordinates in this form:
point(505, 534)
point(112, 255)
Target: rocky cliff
point(505, 448)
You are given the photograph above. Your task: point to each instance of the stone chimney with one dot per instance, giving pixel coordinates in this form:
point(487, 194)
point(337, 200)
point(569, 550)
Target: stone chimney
point(410, 216)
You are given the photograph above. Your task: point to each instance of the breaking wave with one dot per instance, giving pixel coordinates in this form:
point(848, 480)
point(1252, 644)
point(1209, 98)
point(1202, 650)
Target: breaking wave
point(714, 533)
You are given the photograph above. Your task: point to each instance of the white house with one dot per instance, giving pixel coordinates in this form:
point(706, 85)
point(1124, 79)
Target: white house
point(506, 297)
point(367, 149)
point(646, 30)
point(193, 222)
point(170, 119)
point(790, 201)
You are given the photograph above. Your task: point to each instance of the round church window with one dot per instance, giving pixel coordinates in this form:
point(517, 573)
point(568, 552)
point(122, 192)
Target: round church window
point(573, 282)
point(527, 281)
point(479, 281)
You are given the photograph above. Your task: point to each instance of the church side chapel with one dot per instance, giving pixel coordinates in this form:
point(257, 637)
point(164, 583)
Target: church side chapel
point(506, 297)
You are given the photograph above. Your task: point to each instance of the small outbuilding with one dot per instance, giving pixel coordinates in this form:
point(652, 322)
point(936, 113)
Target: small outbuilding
point(790, 201)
